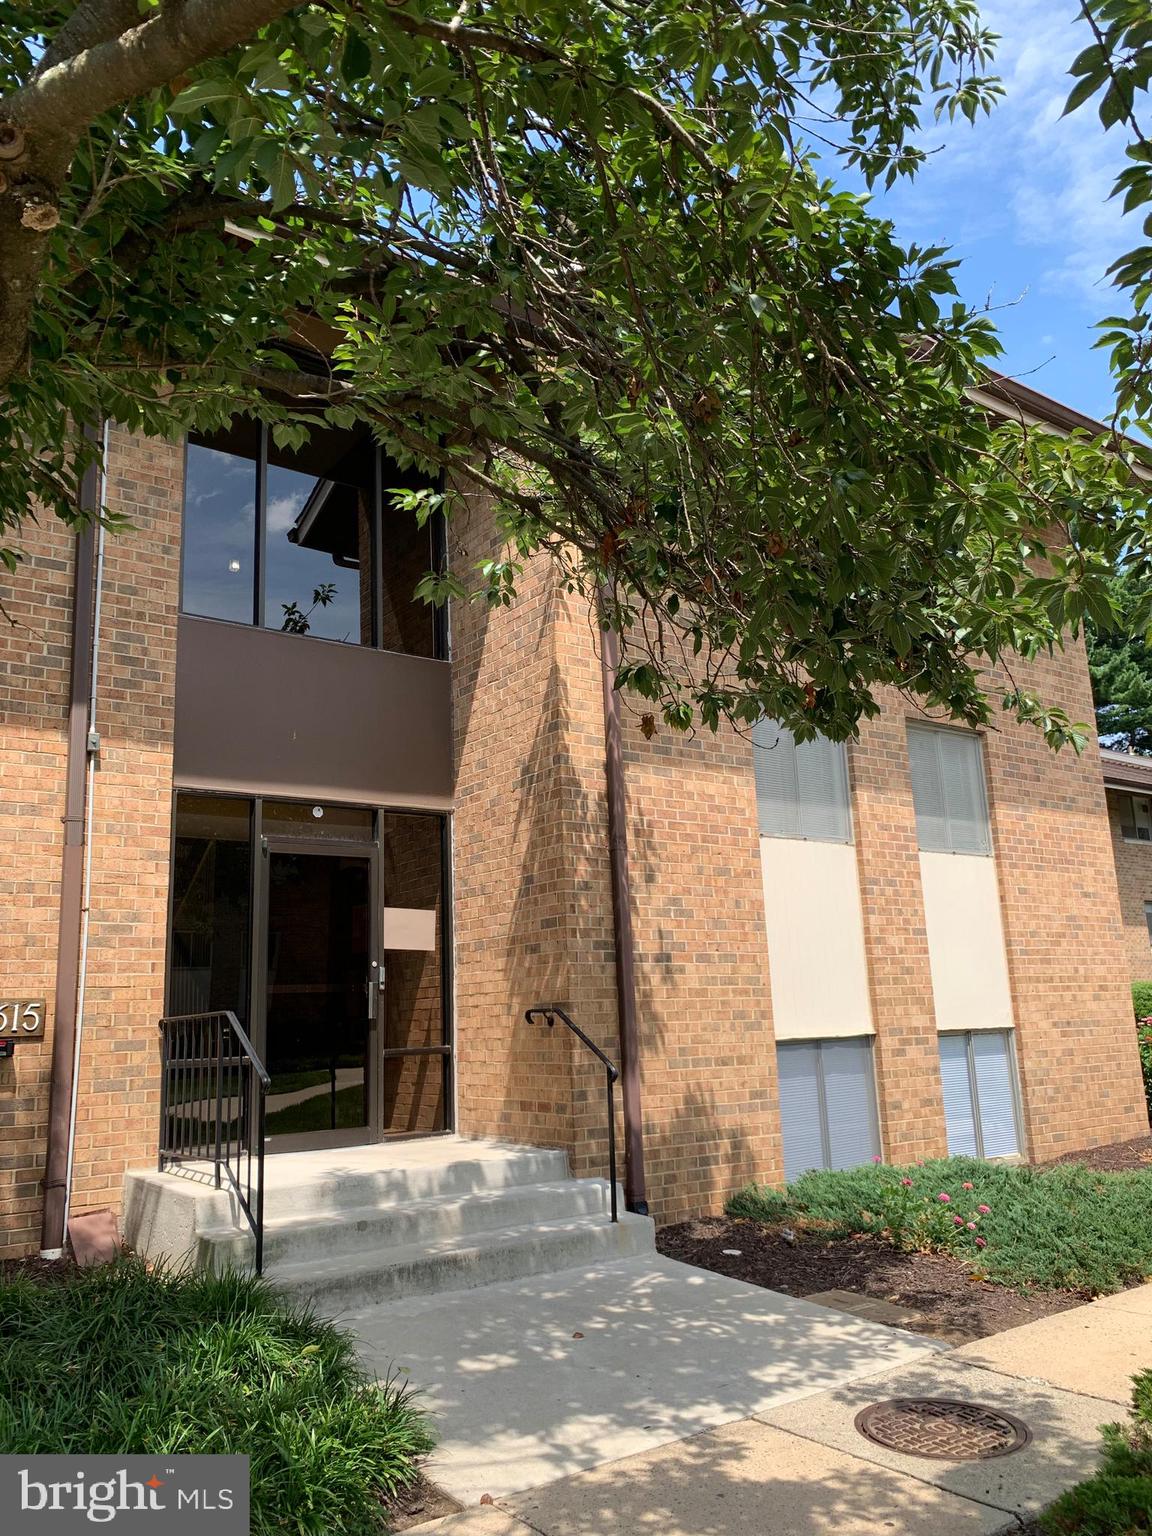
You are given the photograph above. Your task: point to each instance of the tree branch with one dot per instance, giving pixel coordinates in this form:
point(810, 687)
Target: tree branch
point(66, 97)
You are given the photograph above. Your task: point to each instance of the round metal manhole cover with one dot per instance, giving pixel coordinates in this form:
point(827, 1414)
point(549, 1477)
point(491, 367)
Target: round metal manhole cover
point(943, 1428)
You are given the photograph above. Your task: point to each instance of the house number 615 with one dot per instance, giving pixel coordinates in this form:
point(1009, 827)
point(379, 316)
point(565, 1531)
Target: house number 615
point(24, 1020)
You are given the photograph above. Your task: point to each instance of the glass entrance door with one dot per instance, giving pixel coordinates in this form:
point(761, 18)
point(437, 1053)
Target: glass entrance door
point(317, 1028)
point(324, 928)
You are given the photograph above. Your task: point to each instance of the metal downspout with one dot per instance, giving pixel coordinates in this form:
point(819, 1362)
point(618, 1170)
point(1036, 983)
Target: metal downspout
point(635, 1183)
point(69, 941)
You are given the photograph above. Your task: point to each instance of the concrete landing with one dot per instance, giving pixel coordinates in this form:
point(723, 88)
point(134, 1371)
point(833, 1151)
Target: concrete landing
point(534, 1380)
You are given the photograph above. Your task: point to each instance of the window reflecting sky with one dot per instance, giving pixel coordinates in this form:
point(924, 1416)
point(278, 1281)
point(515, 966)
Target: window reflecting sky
point(294, 573)
point(219, 534)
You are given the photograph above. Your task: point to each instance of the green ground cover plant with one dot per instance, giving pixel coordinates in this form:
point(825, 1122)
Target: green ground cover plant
point(121, 1360)
point(1118, 1500)
point(1063, 1227)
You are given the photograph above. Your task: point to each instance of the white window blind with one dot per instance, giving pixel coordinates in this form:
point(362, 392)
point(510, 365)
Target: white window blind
point(801, 1120)
point(827, 1104)
point(979, 1082)
point(959, 1110)
point(801, 787)
point(849, 1102)
point(948, 791)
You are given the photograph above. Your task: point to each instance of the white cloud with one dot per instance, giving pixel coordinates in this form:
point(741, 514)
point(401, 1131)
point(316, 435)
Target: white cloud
point(283, 512)
point(1026, 174)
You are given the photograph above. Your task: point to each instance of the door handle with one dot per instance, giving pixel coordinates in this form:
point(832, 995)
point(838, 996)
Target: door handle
point(375, 985)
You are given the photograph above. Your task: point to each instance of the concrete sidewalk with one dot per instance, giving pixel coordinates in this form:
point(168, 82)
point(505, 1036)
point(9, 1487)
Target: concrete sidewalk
point(792, 1463)
point(533, 1380)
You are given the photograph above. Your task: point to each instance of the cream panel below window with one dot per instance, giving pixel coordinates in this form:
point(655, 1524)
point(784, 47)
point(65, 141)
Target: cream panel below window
point(965, 942)
point(815, 939)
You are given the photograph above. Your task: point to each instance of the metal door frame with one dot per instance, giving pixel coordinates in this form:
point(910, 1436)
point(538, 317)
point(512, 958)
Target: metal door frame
point(322, 848)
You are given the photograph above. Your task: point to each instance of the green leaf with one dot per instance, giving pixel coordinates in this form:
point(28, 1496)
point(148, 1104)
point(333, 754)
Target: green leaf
point(356, 59)
point(1081, 92)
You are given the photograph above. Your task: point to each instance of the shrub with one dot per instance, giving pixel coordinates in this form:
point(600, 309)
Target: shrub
point(1066, 1226)
point(1118, 1500)
point(1142, 999)
point(122, 1361)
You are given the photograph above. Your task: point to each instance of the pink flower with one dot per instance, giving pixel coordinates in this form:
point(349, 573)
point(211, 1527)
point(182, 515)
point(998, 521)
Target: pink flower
point(985, 1210)
point(971, 1226)
point(877, 1159)
point(907, 1183)
point(965, 1185)
point(944, 1199)
point(981, 1242)
point(957, 1221)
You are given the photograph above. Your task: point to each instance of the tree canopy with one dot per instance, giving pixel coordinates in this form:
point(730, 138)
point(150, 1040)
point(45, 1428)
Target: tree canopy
point(1120, 661)
point(590, 256)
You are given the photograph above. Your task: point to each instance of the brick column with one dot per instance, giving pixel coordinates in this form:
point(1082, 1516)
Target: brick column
point(896, 940)
point(1075, 1037)
point(119, 1095)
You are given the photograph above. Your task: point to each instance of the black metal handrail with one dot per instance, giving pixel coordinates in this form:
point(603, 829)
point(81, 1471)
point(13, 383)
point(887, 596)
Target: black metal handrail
point(213, 1092)
point(550, 1012)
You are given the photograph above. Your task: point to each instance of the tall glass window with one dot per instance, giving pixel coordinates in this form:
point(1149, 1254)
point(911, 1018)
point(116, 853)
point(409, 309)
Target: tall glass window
point(211, 898)
point(307, 540)
point(221, 479)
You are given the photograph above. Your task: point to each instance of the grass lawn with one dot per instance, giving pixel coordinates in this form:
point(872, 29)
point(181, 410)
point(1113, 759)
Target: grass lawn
point(315, 1114)
point(120, 1361)
point(1062, 1226)
point(1118, 1500)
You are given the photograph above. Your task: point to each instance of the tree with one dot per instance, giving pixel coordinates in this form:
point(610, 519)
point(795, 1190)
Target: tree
point(1117, 67)
point(581, 255)
point(1120, 661)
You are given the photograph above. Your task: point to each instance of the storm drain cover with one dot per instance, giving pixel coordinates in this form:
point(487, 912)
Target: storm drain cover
point(943, 1428)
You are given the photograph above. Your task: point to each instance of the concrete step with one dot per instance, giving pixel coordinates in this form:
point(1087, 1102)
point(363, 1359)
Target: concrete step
point(445, 1168)
point(338, 1284)
point(372, 1228)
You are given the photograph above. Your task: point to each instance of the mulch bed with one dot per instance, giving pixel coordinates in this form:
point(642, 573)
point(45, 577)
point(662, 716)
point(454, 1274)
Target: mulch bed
point(43, 1271)
point(1119, 1157)
point(422, 1502)
point(945, 1297)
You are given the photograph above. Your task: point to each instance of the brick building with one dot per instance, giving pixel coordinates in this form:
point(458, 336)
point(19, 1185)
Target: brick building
point(242, 770)
point(1128, 786)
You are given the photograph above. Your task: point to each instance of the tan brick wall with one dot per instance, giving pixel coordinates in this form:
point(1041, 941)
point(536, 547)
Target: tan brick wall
point(1134, 878)
point(513, 889)
point(1076, 1045)
point(1075, 1048)
point(705, 1009)
point(119, 1080)
point(118, 1098)
point(534, 917)
point(34, 655)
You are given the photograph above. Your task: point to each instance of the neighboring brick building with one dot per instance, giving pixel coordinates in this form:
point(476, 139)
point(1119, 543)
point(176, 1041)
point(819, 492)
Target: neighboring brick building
point(887, 949)
point(1128, 783)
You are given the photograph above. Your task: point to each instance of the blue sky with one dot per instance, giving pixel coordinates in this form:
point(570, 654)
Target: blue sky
point(1022, 200)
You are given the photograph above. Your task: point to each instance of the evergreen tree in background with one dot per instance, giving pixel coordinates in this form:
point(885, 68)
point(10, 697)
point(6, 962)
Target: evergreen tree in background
point(1120, 661)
